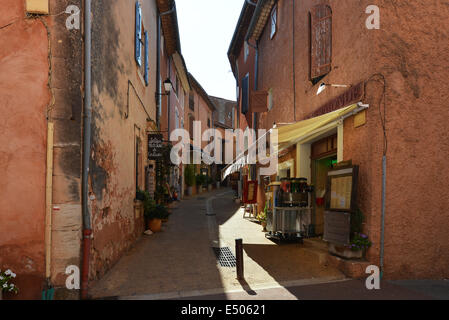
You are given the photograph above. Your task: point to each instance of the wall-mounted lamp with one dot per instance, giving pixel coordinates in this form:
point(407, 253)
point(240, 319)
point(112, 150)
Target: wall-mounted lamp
point(323, 86)
point(168, 86)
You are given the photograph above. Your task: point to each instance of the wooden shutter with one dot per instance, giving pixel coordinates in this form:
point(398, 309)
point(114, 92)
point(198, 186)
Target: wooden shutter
point(147, 57)
point(138, 34)
point(320, 40)
point(259, 101)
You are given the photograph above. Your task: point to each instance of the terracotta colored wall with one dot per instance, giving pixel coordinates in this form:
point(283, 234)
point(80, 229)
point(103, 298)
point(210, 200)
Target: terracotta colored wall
point(117, 120)
point(408, 51)
point(24, 97)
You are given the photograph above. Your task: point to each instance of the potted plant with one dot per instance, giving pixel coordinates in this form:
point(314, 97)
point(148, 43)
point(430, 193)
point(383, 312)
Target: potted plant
point(359, 241)
point(150, 213)
point(209, 183)
point(154, 214)
point(5, 283)
point(140, 195)
point(262, 217)
point(199, 179)
point(189, 179)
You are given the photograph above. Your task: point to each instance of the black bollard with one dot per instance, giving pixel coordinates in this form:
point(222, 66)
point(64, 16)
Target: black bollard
point(239, 258)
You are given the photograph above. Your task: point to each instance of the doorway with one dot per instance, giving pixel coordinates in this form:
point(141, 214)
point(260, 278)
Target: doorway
point(320, 169)
point(323, 158)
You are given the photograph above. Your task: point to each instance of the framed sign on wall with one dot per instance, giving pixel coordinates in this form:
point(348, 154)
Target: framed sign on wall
point(342, 189)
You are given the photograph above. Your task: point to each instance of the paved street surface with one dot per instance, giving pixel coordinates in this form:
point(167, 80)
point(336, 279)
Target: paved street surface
point(342, 290)
point(179, 263)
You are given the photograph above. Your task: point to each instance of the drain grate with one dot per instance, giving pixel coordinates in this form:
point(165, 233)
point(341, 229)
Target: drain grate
point(225, 257)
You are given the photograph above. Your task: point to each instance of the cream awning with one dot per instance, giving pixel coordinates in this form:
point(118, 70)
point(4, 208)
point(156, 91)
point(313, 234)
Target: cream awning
point(293, 133)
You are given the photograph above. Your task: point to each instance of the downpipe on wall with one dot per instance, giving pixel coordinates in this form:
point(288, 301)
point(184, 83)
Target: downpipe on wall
point(87, 132)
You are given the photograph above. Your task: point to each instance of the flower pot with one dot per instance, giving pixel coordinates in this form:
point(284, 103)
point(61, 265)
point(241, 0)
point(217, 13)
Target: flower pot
point(344, 252)
point(155, 225)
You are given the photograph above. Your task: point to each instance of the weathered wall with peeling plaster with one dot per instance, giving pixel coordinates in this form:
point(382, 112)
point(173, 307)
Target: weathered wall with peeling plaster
point(120, 99)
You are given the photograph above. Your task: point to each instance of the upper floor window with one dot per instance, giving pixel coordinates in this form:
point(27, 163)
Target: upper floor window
point(142, 39)
point(274, 18)
point(245, 94)
point(176, 85)
point(270, 99)
point(191, 101)
point(246, 50)
point(320, 42)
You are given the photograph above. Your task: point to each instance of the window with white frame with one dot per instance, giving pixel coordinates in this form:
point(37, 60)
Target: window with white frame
point(273, 21)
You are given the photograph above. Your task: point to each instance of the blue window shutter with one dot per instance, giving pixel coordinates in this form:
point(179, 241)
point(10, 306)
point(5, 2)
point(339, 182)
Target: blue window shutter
point(147, 56)
point(138, 34)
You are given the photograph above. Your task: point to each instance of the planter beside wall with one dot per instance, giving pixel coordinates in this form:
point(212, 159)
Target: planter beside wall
point(343, 252)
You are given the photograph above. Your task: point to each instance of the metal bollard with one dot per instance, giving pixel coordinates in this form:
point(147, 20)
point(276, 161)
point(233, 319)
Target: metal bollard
point(239, 258)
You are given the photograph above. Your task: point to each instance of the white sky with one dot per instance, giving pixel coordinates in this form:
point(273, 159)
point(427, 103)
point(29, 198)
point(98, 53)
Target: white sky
point(206, 28)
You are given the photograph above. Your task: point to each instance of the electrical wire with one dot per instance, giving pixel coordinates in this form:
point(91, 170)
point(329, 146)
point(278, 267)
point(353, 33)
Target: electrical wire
point(378, 77)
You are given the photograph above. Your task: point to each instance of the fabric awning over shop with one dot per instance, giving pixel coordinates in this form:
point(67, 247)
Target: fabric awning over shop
point(294, 133)
point(291, 134)
point(234, 167)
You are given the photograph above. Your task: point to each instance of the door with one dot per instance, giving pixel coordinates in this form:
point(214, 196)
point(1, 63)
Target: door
point(320, 169)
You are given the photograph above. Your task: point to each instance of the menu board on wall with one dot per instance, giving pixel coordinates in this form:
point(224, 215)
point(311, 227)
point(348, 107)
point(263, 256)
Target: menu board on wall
point(341, 191)
point(250, 192)
point(342, 187)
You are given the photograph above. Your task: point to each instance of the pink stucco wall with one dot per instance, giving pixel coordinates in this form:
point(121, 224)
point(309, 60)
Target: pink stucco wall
point(23, 129)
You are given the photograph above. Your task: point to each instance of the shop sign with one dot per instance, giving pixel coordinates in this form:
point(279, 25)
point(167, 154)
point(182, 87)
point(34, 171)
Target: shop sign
point(354, 94)
point(155, 146)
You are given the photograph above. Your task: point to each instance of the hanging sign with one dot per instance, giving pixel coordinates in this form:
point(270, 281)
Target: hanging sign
point(155, 146)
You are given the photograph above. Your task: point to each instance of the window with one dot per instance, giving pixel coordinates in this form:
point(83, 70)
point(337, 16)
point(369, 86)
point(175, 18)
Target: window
point(176, 85)
point(138, 40)
point(320, 42)
point(246, 53)
point(176, 119)
point(191, 120)
point(191, 101)
point(270, 99)
point(245, 94)
point(274, 13)
point(208, 122)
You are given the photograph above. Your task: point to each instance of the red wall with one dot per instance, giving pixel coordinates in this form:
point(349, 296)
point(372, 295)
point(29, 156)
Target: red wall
point(23, 100)
point(413, 60)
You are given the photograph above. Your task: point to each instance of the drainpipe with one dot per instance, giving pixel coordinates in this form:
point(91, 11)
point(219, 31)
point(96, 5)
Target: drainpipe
point(49, 202)
point(158, 72)
point(87, 117)
point(382, 233)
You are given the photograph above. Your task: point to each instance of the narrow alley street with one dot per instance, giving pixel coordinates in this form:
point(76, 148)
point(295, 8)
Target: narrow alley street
point(179, 261)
